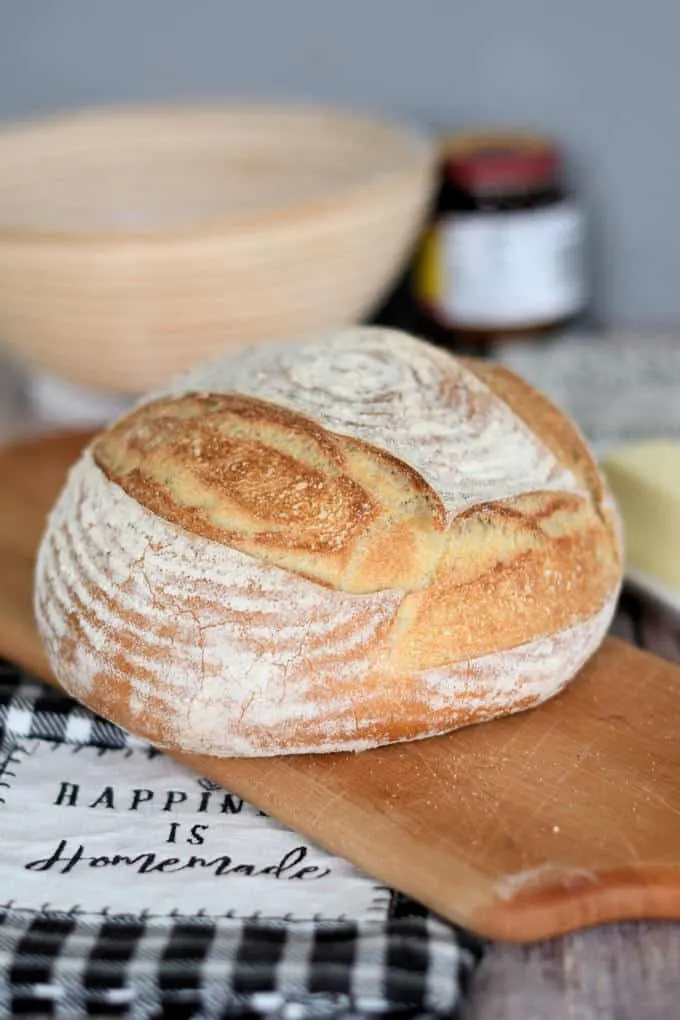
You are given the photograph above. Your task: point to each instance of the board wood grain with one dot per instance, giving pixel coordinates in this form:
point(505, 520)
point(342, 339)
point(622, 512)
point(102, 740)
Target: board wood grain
point(524, 828)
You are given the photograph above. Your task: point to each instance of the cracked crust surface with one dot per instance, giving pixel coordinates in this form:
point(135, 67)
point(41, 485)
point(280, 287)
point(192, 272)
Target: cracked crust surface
point(328, 546)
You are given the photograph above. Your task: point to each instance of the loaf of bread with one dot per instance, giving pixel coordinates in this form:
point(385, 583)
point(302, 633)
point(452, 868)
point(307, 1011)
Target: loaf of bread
point(328, 545)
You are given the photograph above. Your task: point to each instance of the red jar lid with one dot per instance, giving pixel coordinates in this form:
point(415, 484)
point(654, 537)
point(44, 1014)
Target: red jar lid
point(499, 162)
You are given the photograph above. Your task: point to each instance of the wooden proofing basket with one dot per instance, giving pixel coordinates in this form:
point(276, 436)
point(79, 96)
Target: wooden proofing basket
point(136, 242)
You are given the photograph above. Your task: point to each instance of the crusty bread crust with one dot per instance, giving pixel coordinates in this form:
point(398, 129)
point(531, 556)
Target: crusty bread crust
point(328, 546)
point(272, 483)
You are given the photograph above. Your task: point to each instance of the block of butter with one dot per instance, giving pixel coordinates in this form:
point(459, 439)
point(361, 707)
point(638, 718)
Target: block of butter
point(645, 480)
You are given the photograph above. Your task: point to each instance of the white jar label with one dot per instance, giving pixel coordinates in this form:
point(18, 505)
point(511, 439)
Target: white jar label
point(512, 269)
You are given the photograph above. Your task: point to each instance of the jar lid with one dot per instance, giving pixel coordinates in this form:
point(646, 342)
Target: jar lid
point(500, 161)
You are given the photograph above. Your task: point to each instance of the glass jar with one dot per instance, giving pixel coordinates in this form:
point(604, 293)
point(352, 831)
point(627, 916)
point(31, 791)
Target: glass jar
point(504, 255)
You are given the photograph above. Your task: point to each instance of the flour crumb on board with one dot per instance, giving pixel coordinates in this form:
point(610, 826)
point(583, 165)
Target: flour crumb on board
point(544, 876)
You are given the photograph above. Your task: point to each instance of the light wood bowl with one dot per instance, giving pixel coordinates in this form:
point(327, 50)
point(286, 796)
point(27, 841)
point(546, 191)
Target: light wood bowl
point(136, 242)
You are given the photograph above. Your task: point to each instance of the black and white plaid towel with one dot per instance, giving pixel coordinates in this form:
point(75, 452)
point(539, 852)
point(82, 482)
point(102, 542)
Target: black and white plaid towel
point(66, 965)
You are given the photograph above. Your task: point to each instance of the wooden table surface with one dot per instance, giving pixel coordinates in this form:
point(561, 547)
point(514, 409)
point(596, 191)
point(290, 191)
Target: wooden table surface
point(624, 972)
point(619, 972)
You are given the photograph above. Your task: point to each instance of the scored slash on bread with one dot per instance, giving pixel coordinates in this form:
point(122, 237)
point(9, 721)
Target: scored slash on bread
point(274, 484)
point(328, 545)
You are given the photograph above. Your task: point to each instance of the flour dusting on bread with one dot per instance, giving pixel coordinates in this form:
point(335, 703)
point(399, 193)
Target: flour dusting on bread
point(406, 396)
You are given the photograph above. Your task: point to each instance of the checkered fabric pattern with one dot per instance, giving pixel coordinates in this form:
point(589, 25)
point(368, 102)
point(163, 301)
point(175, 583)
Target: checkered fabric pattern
point(67, 965)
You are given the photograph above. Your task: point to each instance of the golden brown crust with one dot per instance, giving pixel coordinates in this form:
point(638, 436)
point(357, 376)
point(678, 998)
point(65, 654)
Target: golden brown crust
point(517, 569)
point(513, 571)
point(274, 484)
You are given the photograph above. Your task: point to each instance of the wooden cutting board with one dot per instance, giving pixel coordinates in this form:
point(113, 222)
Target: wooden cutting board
point(519, 829)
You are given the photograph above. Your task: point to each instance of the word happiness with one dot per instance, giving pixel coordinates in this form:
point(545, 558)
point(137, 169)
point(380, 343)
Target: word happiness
point(211, 801)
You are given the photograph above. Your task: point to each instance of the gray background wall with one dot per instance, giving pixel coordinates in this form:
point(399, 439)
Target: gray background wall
point(603, 75)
